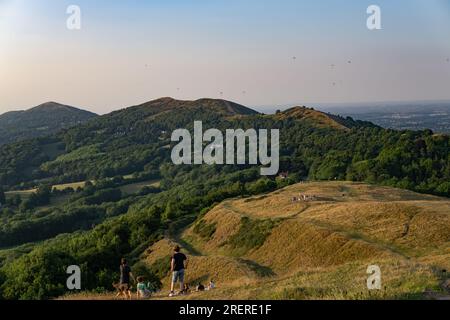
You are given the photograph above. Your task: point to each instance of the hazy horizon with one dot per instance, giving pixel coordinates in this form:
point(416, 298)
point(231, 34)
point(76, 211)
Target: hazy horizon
point(325, 107)
point(257, 53)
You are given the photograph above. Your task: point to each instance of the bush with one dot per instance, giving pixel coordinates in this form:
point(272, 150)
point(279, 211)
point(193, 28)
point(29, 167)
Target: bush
point(39, 275)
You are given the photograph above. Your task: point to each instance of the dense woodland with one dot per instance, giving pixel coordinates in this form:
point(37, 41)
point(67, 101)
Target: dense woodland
point(96, 225)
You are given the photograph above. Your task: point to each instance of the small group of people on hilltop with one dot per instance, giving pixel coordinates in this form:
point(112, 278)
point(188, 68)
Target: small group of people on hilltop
point(304, 198)
point(178, 265)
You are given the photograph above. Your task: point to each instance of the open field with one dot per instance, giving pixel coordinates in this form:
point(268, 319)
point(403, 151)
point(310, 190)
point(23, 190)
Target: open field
point(74, 185)
point(275, 247)
point(24, 194)
point(136, 187)
point(127, 189)
point(61, 199)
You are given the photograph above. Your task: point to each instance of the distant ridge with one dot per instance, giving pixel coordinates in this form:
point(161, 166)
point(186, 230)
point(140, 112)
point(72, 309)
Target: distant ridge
point(164, 110)
point(320, 119)
point(216, 105)
point(310, 115)
point(44, 119)
point(50, 117)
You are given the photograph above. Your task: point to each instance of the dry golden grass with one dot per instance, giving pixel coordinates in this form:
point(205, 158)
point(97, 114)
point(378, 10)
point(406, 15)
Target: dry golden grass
point(159, 250)
point(295, 245)
point(127, 189)
point(347, 223)
point(202, 269)
point(314, 117)
point(321, 249)
point(136, 187)
point(74, 185)
point(24, 194)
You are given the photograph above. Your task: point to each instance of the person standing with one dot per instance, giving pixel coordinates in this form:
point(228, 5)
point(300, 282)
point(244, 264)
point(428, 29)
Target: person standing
point(125, 274)
point(178, 266)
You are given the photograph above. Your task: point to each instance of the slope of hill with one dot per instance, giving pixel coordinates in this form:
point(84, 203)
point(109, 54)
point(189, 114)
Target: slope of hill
point(270, 246)
point(222, 107)
point(311, 116)
point(102, 221)
point(320, 119)
point(42, 120)
point(119, 142)
point(151, 110)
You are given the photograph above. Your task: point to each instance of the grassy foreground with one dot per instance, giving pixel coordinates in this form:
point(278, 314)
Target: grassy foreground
point(276, 247)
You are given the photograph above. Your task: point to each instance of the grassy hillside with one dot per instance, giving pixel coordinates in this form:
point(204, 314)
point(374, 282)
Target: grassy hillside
point(139, 196)
point(269, 247)
point(311, 116)
point(320, 119)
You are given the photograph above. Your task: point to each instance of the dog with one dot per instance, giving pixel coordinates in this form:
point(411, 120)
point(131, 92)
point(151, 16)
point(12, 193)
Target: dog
point(121, 289)
point(186, 290)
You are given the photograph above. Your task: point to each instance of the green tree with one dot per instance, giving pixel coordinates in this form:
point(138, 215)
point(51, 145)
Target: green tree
point(39, 275)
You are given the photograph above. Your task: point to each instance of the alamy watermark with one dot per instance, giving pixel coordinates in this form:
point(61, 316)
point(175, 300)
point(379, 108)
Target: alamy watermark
point(374, 279)
point(374, 20)
point(74, 280)
point(233, 151)
point(74, 20)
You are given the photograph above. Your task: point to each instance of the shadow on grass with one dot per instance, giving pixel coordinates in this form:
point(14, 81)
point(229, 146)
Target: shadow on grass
point(261, 271)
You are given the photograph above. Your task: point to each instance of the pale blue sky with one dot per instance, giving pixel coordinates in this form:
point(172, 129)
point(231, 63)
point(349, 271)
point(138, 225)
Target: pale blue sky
point(129, 52)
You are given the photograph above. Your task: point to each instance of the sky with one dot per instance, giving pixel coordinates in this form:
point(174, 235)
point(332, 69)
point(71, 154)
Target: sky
point(254, 52)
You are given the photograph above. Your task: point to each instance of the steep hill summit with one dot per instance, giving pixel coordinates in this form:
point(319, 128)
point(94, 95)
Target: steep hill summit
point(319, 119)
point(167, 104)
point(41, 120)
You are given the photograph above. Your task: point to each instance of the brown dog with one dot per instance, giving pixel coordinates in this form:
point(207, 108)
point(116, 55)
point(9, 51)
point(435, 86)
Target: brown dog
point(121, 289)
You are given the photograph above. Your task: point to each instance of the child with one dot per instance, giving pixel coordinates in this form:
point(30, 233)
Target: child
point(212, 285)
point(142, 289)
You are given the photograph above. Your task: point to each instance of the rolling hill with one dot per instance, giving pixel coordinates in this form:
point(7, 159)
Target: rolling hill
point(162, 108)
point(318, 119)
point(42, 120)
point(117, 193)
point(120, 142)
point(272, 247)
point(269, 247)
